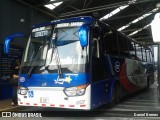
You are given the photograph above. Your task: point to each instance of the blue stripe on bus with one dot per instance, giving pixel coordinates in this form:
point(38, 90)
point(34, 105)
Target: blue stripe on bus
point(50, 80)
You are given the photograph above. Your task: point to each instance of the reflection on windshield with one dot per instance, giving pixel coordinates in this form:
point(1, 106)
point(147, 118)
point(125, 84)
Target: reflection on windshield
point(72, 56)
point(64, 45)
point(35, 44)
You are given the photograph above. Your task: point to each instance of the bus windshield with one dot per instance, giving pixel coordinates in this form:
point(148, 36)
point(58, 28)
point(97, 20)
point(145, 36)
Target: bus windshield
point(60, 49)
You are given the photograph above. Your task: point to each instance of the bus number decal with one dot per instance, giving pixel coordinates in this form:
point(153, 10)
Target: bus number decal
point(41, 33)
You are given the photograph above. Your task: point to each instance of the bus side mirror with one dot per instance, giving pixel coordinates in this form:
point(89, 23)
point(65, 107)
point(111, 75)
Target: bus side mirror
point(83, 35)
point(8, 39)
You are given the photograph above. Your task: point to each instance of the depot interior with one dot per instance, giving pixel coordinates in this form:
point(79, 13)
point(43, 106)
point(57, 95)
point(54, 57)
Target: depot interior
point(130, 17)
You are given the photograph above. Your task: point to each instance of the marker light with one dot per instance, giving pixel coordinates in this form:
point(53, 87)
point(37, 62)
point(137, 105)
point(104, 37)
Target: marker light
point(155, 25)
point(75, 91)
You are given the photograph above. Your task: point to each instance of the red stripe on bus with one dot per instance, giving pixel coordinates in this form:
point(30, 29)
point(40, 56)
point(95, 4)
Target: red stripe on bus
point(21, 102)
point(43, 104)
point(61, 105)
point(52, 105)
point(71, 105)
point(35, 104)
point(82, 105)
point(27, 103)
point(130, 87)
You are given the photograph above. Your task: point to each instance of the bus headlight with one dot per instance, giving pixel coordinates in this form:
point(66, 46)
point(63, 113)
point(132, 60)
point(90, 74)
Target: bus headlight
point(70, 91)
point(75, 91)
point(22, 90)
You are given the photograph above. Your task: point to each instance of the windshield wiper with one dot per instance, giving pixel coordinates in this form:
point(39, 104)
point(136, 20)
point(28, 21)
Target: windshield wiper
point(58, 61)
point(32, 64)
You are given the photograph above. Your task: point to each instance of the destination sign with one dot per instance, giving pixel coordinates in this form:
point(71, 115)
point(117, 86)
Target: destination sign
point(69, 24)
point(42, 31)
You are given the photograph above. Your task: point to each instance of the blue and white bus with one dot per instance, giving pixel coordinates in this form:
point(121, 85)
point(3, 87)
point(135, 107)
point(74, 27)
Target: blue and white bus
point(80, 63)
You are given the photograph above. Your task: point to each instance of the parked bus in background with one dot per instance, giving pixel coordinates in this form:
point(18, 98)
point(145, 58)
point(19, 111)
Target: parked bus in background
point(80, 63)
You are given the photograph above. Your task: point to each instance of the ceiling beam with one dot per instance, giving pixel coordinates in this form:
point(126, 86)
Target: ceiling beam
point(149, 43)
point(130, 30)
point(143, 34)
point(88, 3)
point(99, 8)
point(84, 4)
point(67, 5)
point(126, 16)
point(142, 38)
point(73, 7)
point(35, 8)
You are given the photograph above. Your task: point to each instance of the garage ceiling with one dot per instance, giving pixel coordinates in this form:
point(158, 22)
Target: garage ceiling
point(135, 15)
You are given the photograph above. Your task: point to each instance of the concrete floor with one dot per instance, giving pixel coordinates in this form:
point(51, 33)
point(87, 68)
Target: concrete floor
point(142, 102)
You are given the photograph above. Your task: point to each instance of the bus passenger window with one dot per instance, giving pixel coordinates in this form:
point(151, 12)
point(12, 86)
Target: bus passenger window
point(138, 52)
point(131, 46)
point(151, 57)
point(144, 54)
point(148, 55)
point(123, 47)
point(110, 44)
point(95, 48)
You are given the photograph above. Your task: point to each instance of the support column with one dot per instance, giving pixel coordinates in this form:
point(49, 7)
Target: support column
point(158, 77)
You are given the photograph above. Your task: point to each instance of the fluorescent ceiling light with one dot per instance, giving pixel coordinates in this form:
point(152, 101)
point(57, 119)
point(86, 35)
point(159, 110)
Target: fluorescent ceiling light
point(50, 6)
point(54, 5)
point(135, 32)
point(114, 12)
point(138, 19)
point(117, 10)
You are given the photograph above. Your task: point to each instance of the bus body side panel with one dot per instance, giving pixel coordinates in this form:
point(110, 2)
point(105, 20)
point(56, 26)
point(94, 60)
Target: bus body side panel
point(133, 76)
point(129, 73)
point(101, 93)
point(150, 72)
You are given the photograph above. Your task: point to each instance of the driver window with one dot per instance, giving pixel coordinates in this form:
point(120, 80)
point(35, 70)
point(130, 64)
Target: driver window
point(95, 48)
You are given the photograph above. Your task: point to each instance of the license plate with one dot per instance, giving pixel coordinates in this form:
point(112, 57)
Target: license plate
point(44, 100)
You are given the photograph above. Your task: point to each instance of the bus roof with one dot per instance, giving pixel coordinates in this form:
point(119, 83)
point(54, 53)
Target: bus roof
point(87, 19)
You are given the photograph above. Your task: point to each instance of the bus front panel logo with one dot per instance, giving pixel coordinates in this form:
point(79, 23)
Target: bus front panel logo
point(22, 79)
point(117, 66)
point(62, 80)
